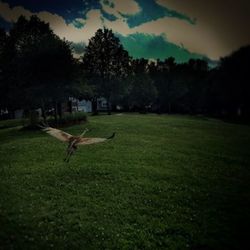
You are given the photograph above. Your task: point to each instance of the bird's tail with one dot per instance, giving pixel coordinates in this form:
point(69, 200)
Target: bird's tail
point(111, 137)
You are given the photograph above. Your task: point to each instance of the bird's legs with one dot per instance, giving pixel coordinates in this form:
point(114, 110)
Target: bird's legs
point(70, 150)
point(69, 154)
point(72, 146)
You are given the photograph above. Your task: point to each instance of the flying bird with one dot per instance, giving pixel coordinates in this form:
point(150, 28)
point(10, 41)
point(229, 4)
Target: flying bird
point(73, 141)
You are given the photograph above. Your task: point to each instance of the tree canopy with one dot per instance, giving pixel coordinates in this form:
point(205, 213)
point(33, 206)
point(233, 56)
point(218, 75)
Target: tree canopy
point(38, 70)
point(106, 63)
point(40, 65)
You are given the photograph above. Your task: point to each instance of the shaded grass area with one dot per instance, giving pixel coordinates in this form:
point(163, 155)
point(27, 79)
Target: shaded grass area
point(66, 120)
point(12, 123)
point(164, 182)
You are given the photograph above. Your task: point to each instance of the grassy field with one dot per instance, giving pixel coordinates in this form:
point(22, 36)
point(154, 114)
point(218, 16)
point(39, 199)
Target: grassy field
point(164, 182)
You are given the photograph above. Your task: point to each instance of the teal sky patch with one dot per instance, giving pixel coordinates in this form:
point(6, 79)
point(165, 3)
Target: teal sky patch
point(155, 47)
point(78, 48)
point(139, 45)
point(109, 3)
point(108, 16)
point(78, 24)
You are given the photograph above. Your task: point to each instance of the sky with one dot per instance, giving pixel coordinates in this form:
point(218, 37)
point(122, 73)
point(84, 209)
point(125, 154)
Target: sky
point(147, 28)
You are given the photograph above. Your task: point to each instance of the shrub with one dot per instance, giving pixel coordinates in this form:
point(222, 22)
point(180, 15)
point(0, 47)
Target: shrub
point(73, 118)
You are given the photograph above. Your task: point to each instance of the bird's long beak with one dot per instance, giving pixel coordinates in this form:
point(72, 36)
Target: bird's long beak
point(84, 132)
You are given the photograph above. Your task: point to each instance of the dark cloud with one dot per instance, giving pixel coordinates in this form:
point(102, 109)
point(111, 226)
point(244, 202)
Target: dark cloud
point(226, 20)
point(220, 27)
point(68, 9)
point(150, 11)
point(108, 16)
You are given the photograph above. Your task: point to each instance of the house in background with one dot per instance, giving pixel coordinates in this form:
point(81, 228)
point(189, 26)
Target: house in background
point(102, 104)
point(75, 105)
point(85, 106)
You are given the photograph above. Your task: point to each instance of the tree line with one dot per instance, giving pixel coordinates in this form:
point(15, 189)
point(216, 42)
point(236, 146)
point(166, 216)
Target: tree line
point(39, 70)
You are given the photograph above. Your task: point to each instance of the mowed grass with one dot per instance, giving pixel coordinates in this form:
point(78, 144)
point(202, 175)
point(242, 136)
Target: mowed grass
point(164, 182)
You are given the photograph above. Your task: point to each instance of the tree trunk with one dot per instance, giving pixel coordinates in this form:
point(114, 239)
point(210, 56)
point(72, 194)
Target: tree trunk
point(70, 107)
point(59, 110)
point(34, 118)
point(169, 107)
point(55, 113)
point(44, 115)
point(44, 112)
point(94, 106)
point(108, 106)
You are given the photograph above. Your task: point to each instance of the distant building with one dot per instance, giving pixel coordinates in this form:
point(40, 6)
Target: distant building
point(18, 113)
point(73, 105)
point(76, 105)
point(85, 106)
point(102, 104)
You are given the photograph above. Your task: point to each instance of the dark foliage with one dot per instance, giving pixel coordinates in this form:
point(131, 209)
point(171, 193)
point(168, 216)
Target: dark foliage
point(106, 64)
point(38, 67)
point(37, 70)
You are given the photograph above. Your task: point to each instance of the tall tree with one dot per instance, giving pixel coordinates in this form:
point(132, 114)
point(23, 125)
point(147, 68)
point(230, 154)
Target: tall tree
point(106, 64)
point(42, 64)
point(234, 81)
point(142, 91)
point(165, 76)
point(194, 76)
point(3, 43)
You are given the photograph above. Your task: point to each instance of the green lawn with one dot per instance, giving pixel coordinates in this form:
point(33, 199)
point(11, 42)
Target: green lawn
point(164, 182)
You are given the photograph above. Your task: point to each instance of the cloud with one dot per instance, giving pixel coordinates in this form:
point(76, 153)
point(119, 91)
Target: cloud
point(176, 31)
point(79, 23)
point(150, 46)
point(118, 26)
point(151, 11)
point(68, 9)
point(118, 7)
point(11, 15)
point(170, 19)
point(92, 22)
point(221, 27)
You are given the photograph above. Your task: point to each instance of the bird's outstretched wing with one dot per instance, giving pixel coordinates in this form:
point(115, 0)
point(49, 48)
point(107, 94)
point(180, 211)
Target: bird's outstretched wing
point(57, 133)
point(87, 141)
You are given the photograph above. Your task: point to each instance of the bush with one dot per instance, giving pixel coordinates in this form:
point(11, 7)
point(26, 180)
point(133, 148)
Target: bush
point(67, 119)
point(73, 118)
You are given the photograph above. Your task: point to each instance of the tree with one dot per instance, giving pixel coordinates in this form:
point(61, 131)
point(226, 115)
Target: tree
point(42, 65)
point(3, 42)
point(193, 77)
point(166, 84)
point(234, 82)
point(53, 73)
point(166, 79)
point(106, 64)
point(142, 91)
